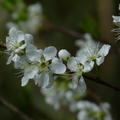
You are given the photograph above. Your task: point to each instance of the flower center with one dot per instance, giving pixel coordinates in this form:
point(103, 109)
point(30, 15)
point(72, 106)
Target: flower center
point(43, 66)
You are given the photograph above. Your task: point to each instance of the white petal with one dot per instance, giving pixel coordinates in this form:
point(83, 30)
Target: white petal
point(34, 56)
point(24, 81)
point(82, 57)
point(43, 79)
point(31, 71)
point(32, 53)
point(104, 50)
point(29, 39)
point(55, 59)
point(100, 60)
point(57, 67)
point(88, 66)
point(10, 58)
point(81, 88)
point(51, 80)
point(31, 47)
point(72, 64)
point(12, 30)
point(64, 54)
point(21, 36)
point(116, 18)
point(49, 53)
point(16, 58)
point(75, 81)
point(80, 42)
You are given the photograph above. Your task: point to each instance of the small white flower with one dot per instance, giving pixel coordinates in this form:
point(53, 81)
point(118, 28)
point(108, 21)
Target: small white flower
point(45, 66)
point(74, 65)
point(86, 108)
point(33, 18)
point(116, 19)
point(92, 54)
point(16, 42)
point(85, 43)
point(64, 54)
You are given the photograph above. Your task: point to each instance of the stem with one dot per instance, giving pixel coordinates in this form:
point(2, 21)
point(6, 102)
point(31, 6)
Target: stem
point(100, 81)
point(14, 109)
point(96, 68)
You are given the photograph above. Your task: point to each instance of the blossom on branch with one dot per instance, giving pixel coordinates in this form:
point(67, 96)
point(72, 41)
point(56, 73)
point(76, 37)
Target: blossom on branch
point(75, 65)
point(16, 43)
point(91, 52)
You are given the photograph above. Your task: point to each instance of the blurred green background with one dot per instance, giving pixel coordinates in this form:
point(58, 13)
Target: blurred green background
point(94, 16)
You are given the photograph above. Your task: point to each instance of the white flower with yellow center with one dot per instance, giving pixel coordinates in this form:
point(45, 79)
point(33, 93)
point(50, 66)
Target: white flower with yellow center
point(43, 68)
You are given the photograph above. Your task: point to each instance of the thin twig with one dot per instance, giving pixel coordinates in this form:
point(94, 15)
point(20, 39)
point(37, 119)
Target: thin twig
point(94, 96)
point(50, 26)
point(62, 29)
point(14, 109)
point(100, 81)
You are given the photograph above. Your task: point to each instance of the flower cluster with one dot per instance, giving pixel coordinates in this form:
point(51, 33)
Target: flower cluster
point(44, 66)
point(40, 65)
point(116, 21)
point(91, 111)
point(86, 110)
point(31, 17)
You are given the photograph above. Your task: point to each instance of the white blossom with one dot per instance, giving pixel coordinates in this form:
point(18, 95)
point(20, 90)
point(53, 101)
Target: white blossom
point(64, 54)
point(42, 67)
point(33, 20)
point(91, 111)
point(92, 54)
point(74, 65)
point(16, 42)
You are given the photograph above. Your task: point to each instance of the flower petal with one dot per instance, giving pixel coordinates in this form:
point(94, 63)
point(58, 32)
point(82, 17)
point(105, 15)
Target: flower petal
point(88, 66)
point(81, 88)
point(82, 57)
point(116, 18)
point(51, 80)
point(32, 53)
point(31, 71)
point(100, 60)
point(24, 81)
point(75, 81)
point(16, 58)
point(72, 64)
point(43, 79)
point(20, 35)
point(31, 47)
point(64, 54)
point(10, 58)
point(12, 31)
point(49, 53)
point(29, 39)
point(57, 67)
point(104, 50)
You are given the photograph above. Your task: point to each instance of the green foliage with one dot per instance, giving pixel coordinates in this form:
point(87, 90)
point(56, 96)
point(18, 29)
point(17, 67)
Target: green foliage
point(90, 25)
point(9, 5)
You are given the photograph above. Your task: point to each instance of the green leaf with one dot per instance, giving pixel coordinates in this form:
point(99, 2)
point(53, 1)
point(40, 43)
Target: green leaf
point(90, 25)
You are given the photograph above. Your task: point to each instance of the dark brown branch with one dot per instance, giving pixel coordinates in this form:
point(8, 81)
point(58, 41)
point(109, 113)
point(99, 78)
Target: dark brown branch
point(100, 81)
point(50, 26)
point(94, 96)
point(14, 109)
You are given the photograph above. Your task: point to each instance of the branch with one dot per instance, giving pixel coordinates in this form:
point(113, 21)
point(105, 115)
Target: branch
point(100, 81)
point(50, 26)
point(94, 96)
point(14, 109)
